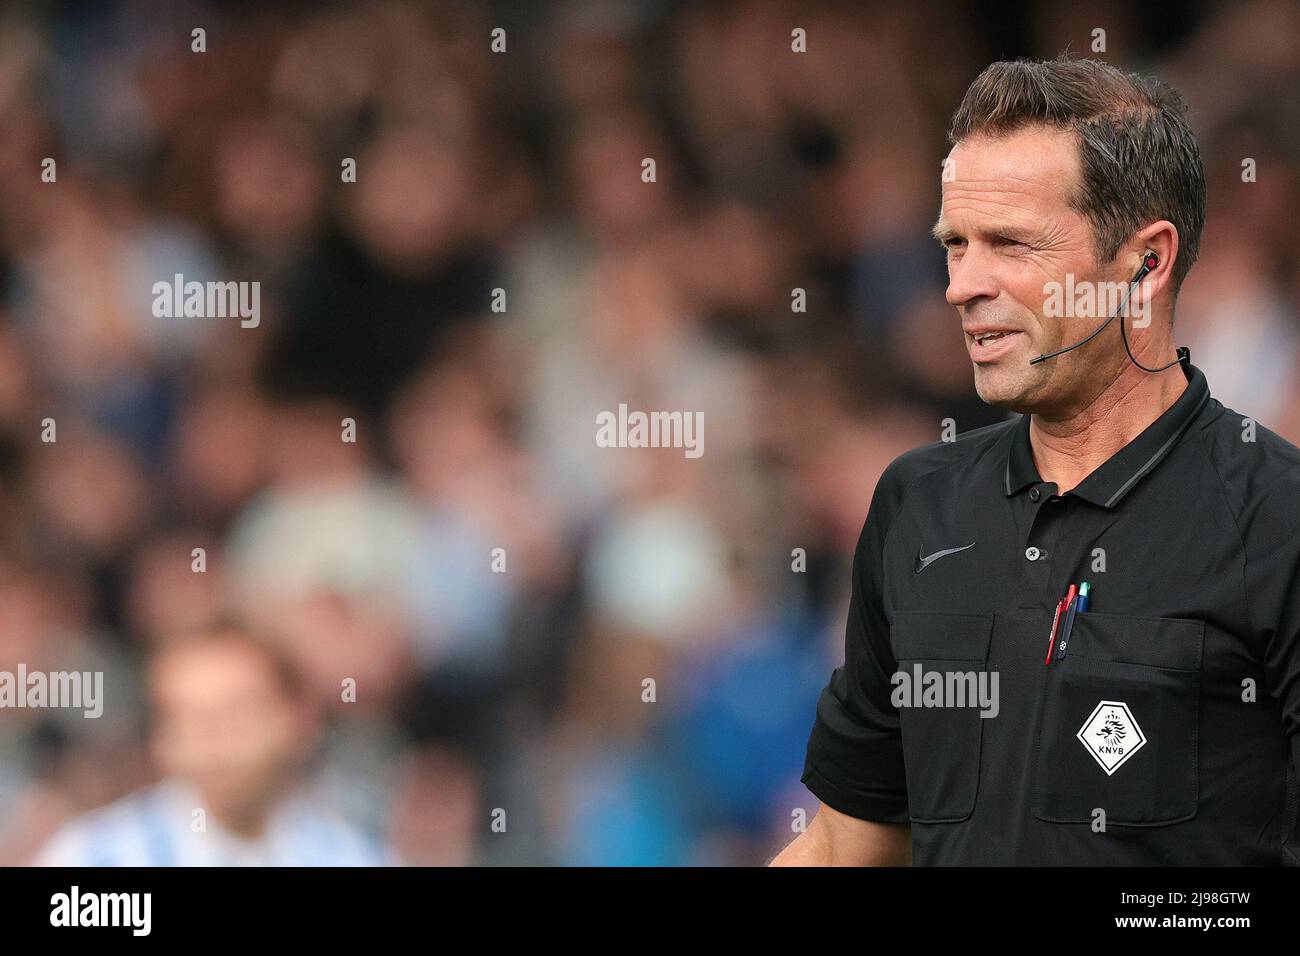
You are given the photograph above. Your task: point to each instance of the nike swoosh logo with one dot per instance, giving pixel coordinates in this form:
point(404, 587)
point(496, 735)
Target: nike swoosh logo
point(923, 563)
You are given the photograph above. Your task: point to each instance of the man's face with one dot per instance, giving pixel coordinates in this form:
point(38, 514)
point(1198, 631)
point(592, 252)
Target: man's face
point(1009, 231)
point(224, 724)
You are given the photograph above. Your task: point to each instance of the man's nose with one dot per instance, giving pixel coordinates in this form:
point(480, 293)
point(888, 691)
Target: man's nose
point(970, 277)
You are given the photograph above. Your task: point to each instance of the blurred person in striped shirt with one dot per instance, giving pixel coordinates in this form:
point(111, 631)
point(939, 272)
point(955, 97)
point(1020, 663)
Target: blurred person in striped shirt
point(232, 733)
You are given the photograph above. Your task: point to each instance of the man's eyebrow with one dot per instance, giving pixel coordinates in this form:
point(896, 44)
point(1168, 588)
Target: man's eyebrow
point(942, 231)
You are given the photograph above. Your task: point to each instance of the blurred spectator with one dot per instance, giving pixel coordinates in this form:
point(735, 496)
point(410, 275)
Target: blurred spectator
point(231, 732)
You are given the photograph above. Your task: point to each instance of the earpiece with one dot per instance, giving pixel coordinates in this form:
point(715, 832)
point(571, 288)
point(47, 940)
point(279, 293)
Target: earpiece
point(1149, 262)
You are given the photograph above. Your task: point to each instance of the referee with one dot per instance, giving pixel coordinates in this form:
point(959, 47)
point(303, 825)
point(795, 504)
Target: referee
point(986, 712)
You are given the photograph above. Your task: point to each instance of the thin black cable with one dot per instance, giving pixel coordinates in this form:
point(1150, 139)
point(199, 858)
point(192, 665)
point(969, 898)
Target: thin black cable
point(1182, 353)
point(1123, 334)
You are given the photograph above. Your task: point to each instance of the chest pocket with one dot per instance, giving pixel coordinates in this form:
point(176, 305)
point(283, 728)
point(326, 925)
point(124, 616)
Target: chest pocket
point(1121, 723)
point(941, 745)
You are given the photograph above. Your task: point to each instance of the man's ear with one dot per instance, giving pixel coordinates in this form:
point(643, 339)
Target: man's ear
point(1161, 238)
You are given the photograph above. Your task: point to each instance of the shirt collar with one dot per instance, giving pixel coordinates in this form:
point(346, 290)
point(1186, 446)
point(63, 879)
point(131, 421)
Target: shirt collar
point(1110, 482)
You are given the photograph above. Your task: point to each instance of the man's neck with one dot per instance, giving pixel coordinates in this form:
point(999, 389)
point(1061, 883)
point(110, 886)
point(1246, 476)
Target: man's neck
point(249, 819)
point(1069, 449)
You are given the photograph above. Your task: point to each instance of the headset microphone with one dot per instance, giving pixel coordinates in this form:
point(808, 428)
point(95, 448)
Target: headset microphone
point(1149, 261)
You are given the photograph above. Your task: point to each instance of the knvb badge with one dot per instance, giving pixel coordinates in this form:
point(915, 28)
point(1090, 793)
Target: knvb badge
point(1111, 735)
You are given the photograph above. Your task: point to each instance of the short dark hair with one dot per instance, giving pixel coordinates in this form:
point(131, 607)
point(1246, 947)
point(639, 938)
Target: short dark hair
point(1139, 159)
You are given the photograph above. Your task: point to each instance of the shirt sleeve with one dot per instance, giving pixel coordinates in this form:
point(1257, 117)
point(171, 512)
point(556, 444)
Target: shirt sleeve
point(854, 761)
point(1272, 581)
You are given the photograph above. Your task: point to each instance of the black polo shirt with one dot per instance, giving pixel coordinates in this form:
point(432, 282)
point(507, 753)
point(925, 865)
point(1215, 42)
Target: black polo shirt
point(1189, 537)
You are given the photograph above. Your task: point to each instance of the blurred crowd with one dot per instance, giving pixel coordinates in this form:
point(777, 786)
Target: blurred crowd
point(560, 653)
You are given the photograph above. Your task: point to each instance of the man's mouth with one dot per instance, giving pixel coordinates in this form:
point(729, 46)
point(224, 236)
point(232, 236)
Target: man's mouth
point(989, 345)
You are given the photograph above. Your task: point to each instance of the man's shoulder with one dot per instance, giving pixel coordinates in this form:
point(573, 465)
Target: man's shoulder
point(317, 828)
point(963, 449)
point(150, 800)
point(104, 835)
point(1252, 460)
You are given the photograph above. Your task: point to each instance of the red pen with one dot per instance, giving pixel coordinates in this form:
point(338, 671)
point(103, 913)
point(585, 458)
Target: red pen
point(1061, 605)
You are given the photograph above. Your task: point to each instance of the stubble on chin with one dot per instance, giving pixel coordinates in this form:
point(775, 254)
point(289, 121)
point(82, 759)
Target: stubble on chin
point(1003, 389)
point(995, 387)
